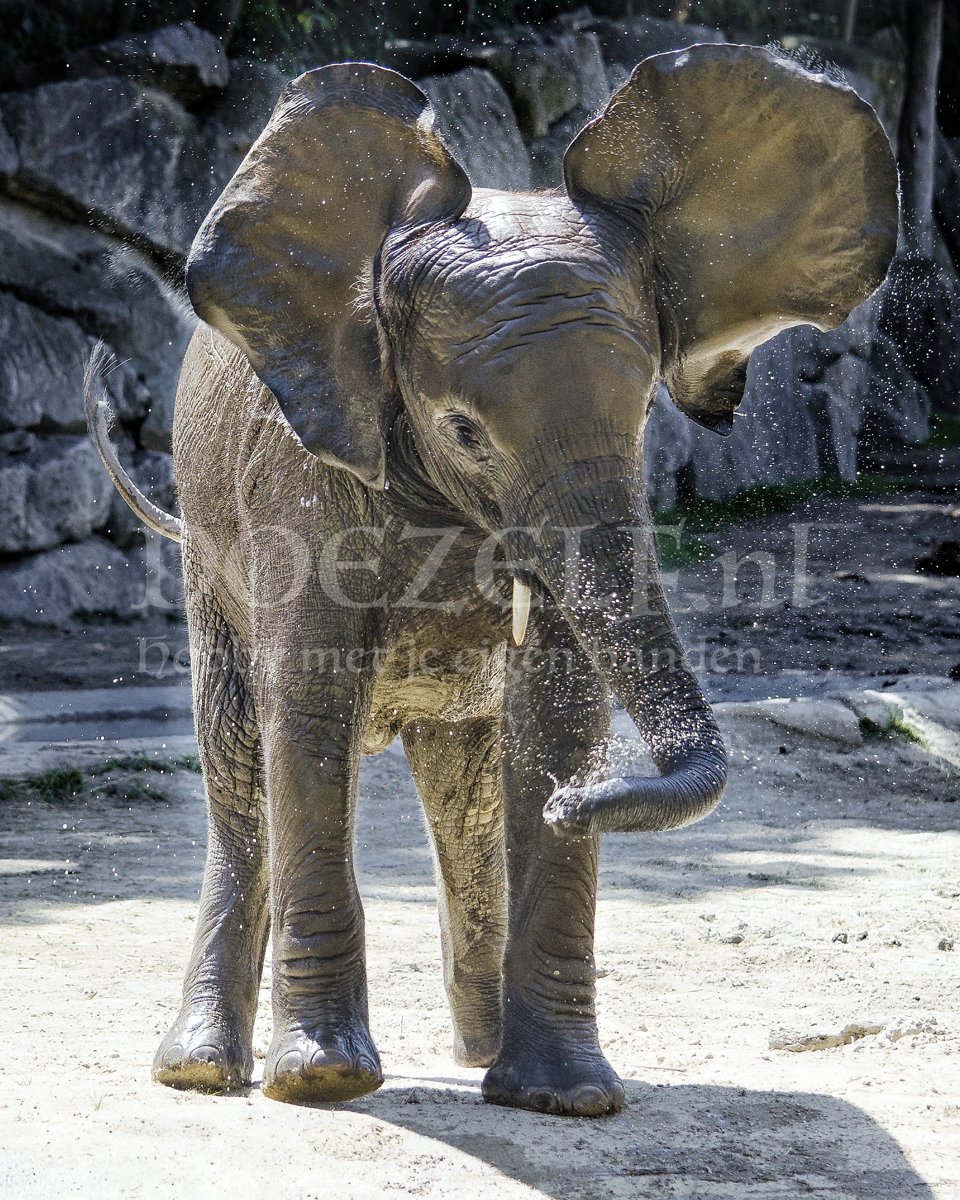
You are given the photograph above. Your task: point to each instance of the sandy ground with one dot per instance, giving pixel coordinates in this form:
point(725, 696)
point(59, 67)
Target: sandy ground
point(779, 992)
point(779, 988)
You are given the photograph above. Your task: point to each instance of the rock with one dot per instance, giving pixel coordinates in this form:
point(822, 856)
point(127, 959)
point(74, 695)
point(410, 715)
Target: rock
point(896, 407)
point(821, 717)
point(109, 291)
point(918, 309)
point(56, 492)
point(549, 77)
point(547, 152)
point(944, 560)
point(9, 159)
point(797, 1043)
point(476, 121)
point(182, 60)
point(630, 41)
point(152, 472)
point(151, 181)
point(41, 369)
point(241, 111)
point(49, 588)
point(667, 440)
point(442, 55)
point(775, 434)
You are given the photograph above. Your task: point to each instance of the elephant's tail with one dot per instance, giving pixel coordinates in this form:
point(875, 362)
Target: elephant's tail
point(99, 419)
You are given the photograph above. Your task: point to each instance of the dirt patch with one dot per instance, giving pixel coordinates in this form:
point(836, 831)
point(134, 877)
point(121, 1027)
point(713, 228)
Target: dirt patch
point(715, 944)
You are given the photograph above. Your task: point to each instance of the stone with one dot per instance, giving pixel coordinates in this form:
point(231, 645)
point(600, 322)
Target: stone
point(9, 159)
point(546, 153)
point(667, 441)
point(896, 408)
point(476, 122)
point(820, 717)
point(442, 55)
point(240, 112)
point(919, 310)
point(775, 434)
point(549, 77)
point(152, 472)
point(41, 369)
point(52, 587)
point(109, 153)
point(54, 493)
point(630, 41)
point(183, 60)
point(109, 291)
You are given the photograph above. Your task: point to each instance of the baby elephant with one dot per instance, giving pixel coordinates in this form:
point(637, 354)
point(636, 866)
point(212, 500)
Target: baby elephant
point(405, 392)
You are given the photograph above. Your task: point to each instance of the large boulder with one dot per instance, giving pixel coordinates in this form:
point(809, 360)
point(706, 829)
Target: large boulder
point(667, 441)
point(55, 490)
point(237, 115)
point(626, 42)
point(476, 120)
point(187, 62)
point(41, 369)
point(125, 158)
point(548, 77)
point(152, 472)
point(91, 577)
point(82, 286)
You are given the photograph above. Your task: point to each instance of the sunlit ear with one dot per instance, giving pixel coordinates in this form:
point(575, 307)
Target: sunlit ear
point(766, 195)
point(283, 266)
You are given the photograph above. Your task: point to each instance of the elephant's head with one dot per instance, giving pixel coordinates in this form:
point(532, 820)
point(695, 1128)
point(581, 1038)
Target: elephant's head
point(723, 195)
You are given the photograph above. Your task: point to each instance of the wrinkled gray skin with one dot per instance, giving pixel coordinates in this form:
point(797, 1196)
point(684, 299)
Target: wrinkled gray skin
point(491, 359)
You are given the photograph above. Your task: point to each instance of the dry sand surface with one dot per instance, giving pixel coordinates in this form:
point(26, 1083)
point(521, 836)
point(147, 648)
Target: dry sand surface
point(778, 990)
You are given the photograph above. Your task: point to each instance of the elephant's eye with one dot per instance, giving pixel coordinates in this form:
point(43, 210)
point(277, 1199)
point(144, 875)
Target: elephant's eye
point(466, 433)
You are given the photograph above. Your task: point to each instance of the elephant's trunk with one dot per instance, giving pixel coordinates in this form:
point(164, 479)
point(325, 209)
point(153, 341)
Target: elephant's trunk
point(606, 580)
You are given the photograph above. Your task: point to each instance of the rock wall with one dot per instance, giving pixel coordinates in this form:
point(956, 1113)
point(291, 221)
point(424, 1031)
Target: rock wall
point(107, 170)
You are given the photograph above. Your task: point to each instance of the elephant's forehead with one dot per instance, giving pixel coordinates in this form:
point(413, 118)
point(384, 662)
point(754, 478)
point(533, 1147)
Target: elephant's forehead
point(513, 266)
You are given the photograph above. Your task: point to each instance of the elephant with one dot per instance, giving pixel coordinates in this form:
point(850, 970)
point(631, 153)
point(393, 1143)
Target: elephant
point(397, 380)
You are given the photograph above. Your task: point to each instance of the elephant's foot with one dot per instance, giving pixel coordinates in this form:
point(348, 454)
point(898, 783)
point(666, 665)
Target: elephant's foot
point(554, 1075)
point(321, 1069)
point(477, 1010)
point(476, 1051)
point(204, 1054)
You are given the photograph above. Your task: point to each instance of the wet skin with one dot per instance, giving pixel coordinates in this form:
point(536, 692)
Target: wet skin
point(399, 374)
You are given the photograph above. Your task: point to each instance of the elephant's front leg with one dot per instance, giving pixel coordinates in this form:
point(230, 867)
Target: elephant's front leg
point(457, 769)
point(312, 726)
point(556, 720)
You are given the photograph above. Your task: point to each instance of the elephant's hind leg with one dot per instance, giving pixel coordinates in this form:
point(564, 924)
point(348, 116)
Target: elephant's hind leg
point(457, 771)
point(209, 1047)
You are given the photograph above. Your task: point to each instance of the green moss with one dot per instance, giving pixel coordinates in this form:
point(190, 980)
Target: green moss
point(895, 727)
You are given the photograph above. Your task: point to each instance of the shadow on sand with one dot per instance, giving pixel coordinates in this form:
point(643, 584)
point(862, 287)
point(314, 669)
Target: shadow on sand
point(672, 1140)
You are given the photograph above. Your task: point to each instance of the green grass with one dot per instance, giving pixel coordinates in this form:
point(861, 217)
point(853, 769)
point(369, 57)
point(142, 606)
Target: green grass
point(706, 516)
point(62, 784)
point(54, 786)
point(141, 762)
point(894, 729)
point(944, 432)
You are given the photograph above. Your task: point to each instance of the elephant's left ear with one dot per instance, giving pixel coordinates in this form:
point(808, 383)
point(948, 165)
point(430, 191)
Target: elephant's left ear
point(767, 196)
point(284, 264)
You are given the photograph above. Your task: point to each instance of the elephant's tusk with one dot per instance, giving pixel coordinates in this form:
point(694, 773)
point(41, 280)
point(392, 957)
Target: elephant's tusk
point(521, 611)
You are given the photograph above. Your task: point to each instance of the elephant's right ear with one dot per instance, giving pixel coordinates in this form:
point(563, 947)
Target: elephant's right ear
point(283, 265)
point(765, 195)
